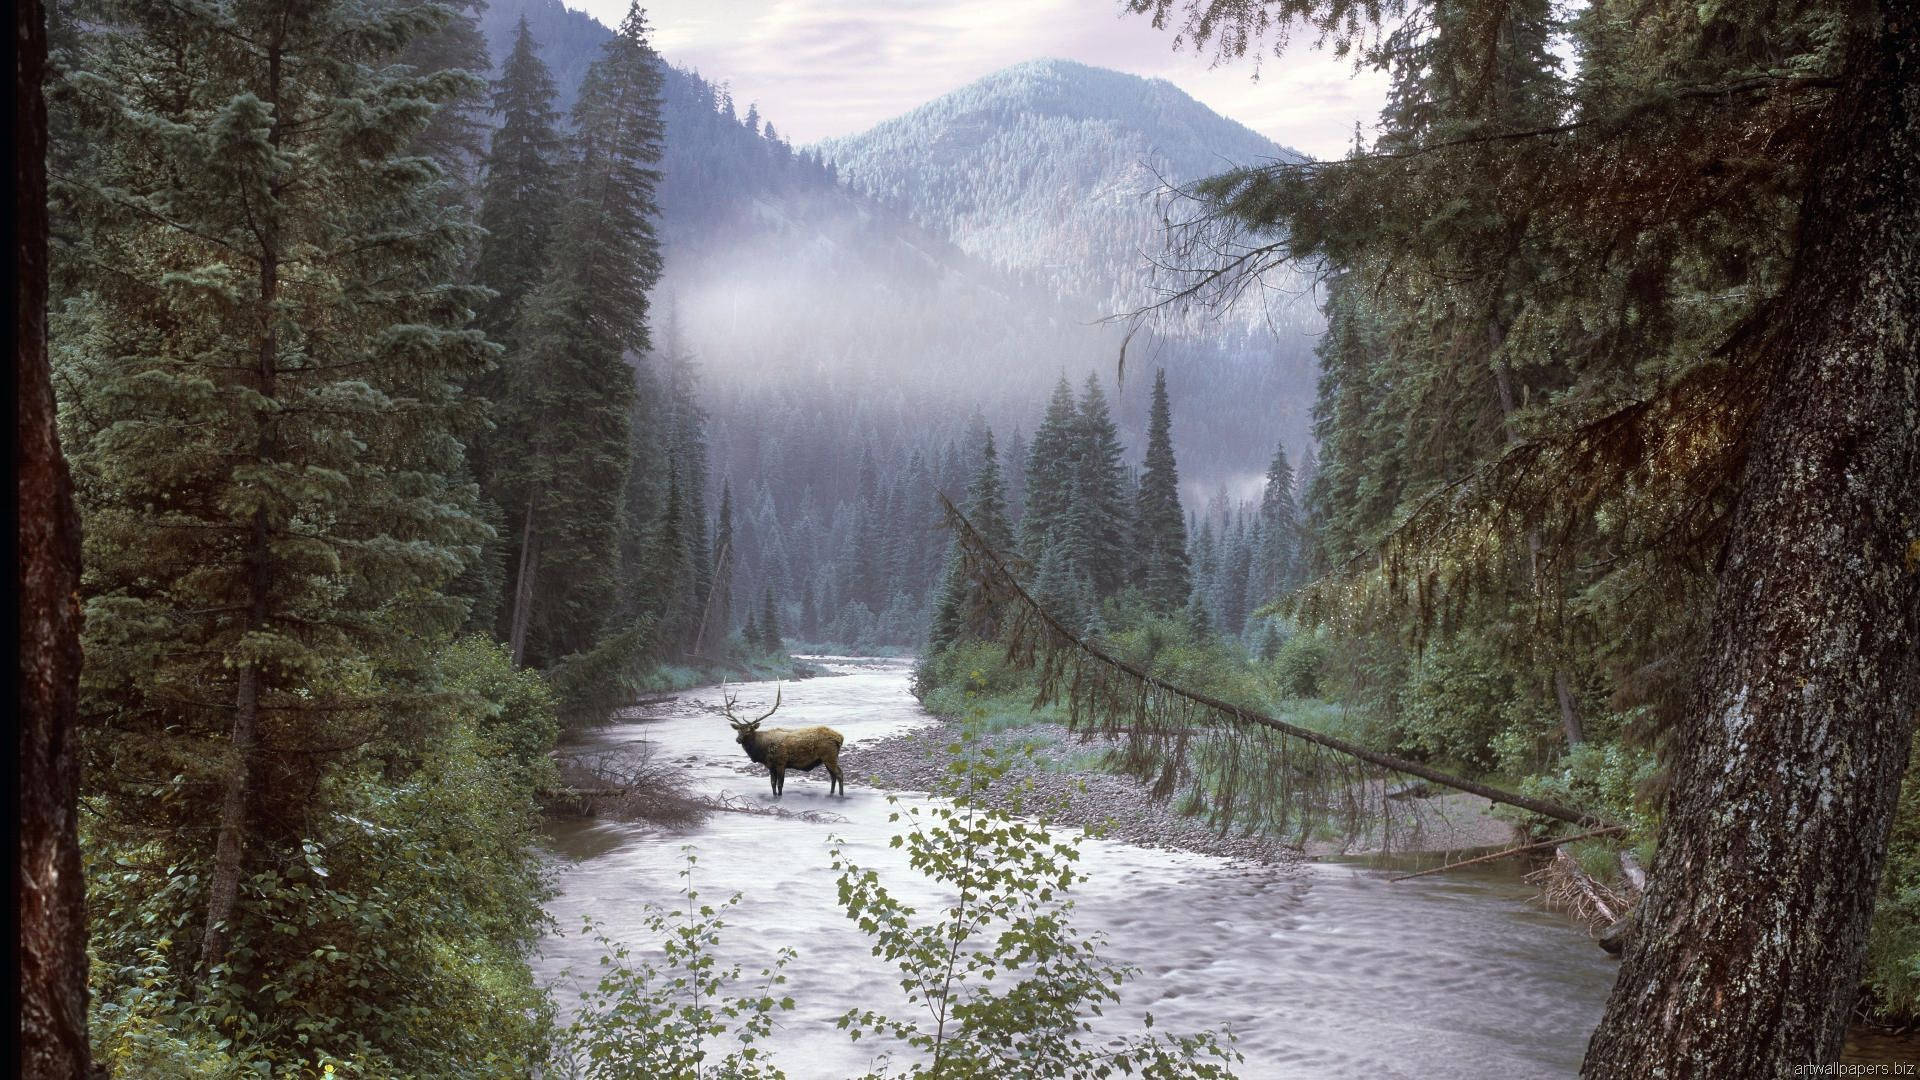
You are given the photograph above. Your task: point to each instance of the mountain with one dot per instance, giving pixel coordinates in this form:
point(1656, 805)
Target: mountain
point(1053, 166)
point(839, 322)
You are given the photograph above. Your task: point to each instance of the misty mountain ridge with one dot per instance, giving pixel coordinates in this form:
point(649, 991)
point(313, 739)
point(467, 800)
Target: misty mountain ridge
point(1056, 166)
point(811, 298)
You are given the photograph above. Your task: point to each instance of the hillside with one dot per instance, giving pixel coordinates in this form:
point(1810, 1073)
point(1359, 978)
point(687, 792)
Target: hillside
point(1051, 165)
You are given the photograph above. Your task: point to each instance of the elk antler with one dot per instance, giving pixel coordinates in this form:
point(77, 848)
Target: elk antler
point(729, 699)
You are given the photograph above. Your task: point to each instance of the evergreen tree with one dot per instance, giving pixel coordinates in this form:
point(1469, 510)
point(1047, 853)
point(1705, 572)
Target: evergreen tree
point(770, 639)
point(1050, 467)
point(750, 633)
point(571, 389)
point(1276, 569)
point(962, 609)
point(1102, 479)
point(266, 351)
point(1270, 642)
point(1159, 524)
point(522, 191)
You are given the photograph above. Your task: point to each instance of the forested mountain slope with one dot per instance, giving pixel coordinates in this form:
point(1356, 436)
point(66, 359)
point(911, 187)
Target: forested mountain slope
point(1054, 166)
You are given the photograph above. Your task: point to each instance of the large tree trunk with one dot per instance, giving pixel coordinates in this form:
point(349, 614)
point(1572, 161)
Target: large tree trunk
point(49, 890)
point(1784, 781)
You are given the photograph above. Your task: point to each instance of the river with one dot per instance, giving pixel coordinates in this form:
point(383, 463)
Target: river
point(1320, 970)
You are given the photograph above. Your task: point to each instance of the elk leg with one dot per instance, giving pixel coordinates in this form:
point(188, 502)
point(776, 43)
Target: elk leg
point(837, 780)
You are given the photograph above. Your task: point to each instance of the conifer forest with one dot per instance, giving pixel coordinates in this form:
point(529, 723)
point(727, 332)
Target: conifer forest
point(1178, 538)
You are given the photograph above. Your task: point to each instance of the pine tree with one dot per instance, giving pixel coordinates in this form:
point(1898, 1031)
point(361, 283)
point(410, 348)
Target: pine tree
point(1050, 467)
point(962, 609)
point(1159, 524)
point(571, 389)
point(270, 351)
point(522, 191)
point(770, 639)
point(1276, 569)
point(1102, 477)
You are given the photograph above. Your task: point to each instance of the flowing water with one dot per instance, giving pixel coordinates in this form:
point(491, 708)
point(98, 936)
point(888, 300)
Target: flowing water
point(1320, 970)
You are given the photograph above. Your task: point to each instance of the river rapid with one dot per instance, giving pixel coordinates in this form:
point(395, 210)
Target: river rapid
point(1320, 970)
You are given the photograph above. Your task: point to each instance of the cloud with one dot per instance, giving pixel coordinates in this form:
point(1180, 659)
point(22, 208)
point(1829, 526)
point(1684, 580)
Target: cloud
point(834, 67)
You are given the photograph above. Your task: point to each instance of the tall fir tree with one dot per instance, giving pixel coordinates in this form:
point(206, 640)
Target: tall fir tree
point(1050, 467)
point(570, 387)
point(720, 610)
point(270, 348)
point(1159, 531)
point(962, 609)
point(522, 192)
point(1103, 489)
point(1277, 565)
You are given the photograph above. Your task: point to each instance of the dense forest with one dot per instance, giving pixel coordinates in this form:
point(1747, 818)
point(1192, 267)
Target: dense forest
point(407, 388)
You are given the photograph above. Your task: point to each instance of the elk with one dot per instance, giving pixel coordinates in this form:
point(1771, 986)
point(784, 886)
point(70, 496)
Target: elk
point(780, 749)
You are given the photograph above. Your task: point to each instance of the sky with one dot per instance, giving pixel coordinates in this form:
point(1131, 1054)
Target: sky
point(820, 68)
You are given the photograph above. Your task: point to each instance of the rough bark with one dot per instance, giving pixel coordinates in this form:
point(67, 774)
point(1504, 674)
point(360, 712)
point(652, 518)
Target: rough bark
point(1748, 949)
point(48, 889)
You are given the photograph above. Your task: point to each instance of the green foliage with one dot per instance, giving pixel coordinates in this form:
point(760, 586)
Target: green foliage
point(662, 1021)
point(516, 709)
point(1893, 946)
point(392, 939)
point(1457, 703)
point(1297, 664)
point(1000, 982)
point(590, 685)
point(1613, 778)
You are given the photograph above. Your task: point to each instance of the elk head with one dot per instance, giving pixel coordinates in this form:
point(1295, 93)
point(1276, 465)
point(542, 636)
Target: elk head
point(745, 728)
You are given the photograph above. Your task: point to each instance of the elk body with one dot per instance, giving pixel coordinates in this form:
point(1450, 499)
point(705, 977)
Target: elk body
point(780, 749)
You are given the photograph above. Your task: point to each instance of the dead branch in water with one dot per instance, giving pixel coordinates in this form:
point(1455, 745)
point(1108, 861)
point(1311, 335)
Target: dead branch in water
point(1567, 887)
point(1512, 851)
point(625, 783)
point(734, 804)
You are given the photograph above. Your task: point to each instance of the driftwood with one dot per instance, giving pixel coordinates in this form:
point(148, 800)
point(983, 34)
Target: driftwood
point(1592, 893)
point(1512, 851)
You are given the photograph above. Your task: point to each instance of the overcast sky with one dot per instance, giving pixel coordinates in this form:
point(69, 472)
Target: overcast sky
point(834, 67)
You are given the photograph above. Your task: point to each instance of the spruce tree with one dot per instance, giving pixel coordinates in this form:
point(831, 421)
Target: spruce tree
point(1279, 532)
point(770, 638)
point(570, 387)
point(266, 353)
point(522, 192)
point(1159, 524)
point(1050, 467)
point(962, 608)
point(1102, 478)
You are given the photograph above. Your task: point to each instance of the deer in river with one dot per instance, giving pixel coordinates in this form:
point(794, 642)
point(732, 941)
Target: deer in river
point(780, 749)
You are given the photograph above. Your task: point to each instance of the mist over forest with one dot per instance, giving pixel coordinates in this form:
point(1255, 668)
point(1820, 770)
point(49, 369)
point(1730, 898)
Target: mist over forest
point(885, 294)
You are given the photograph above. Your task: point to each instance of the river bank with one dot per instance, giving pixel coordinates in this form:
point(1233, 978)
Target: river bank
point(1064, 782)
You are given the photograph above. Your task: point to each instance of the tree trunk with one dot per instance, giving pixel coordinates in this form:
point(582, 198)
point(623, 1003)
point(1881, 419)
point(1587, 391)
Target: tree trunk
point(230, 842)
point(1748, 951)
point(1569, 709)
point(523, 589)
point(48, 889)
